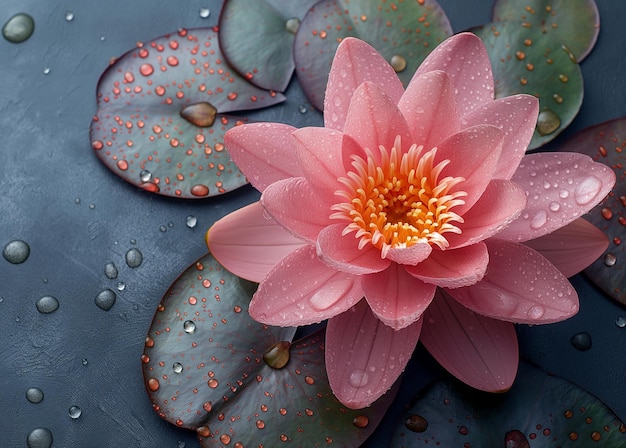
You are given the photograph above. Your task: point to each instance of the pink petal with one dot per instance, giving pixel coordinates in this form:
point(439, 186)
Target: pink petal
point(301, 290)
point(342, 252)
point(396, 298)
point(249, 244)
point(500, 204)
point(453, 268)
point(573, 247)
point(355, 62)
point(516, 117)
point(560, 188)
point(374, 119)
point(263, 152)
point(473, 154)
point(520, 286)
point(464, 58)
point(410, 256)
point(429, 107)
point(296, 204)
point(364, 357)
point(480, 351)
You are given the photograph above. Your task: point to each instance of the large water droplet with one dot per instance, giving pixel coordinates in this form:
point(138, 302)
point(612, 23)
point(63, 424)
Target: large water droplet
point(581, 341)
point(516, 439)
point(34, 395)
point(18, 28)
point(189, 326)
point(110, 271)
point(359, 378)
point(105, 299)
point(47, 304)
point(547, 122)
point(587, 190)
point(39, 438)
point(134, 257)
point(200, 114)
point(205, 12)
point(69, 16)
point(292, 25)
point(74, 412)
point(277, 356)
point(416, 423)
point(398, 63)
point(536, 312)
point(610, 260)
point(539, 220)
point(16, 252)
point(177, 367)
point(145, 176)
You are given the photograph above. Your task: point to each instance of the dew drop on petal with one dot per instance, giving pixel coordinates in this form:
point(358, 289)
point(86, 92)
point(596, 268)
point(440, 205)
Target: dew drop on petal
point(16, 252)
point(536, 312)
point(587, 190)
point(18, 28)
point(358, 378)
point(539, 220)
point(554, 206)
point(75, 412)
point(34, 395)
point(39, 438)
point(581, 341)
point(47, 304)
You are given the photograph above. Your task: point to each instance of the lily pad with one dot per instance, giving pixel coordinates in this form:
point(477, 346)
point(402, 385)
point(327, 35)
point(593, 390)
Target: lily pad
point(256, 36)
point(606, 143)
point(210, 368)
point(574, 23)
point(525, 60)
point(162, 114)
point(403, 32)
point(539, 411)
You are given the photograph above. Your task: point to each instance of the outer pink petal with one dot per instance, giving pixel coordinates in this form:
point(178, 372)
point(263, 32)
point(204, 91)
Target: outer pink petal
point(480, 351)
point(516, 116)
point(364, 357)
point(500, 204)
point(397, 298)
point(355, 62)
point(301, 290)
point(453, 268)
point(249, 244)
point(374, 119)
point(429, 106)
point(520, 286)
point(296, 204)
point(342, 252)
point(466, 61)
point(263, 152)
point(473, 154)
point(560, 187)
point(573, 247)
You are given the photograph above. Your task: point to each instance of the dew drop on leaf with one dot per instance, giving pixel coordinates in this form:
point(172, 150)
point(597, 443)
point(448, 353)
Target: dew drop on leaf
point(610, 259)
point(47, 304)
point(110, 271)
point(547, 122)
point(105, 299)
point(581, 341)
point(277, 356)
point(34, 395)
point(620, 321)
point(16, 252)
point(416, 423)
point(39, 438)
point(200, 114)
point(134, 258)
point(205, 13)
point(18, 28)
point(75, 412)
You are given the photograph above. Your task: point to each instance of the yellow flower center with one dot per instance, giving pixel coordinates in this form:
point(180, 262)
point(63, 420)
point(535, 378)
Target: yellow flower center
point(399, 201)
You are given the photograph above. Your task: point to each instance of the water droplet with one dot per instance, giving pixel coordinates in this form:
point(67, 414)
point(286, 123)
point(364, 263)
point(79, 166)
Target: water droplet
point(359, 378)
point(39, 438)
point(516, 439)
point(46, 71)
point(581, 341)
point(398, 63)
point(200, 114)
point(163, 228)
point(121, 286)
point(84, 362)
point(292, 25)
point(302, 109)
point(105, 299)
point(536, 312)
point(277, 356)
point(547, 122)
point(191, 221)
point(620, 321)
point(360, 421)
point(606, 213)
point(538, 221)
point(16, 252)
point(47, 304)
point(177, 367)
point(205, 12)
point(555, 206)
point(189, 326)
point(75, 412)
point(69, 16)
point(18, 28)
point(587, 190)
point(134, 257)
point(110, 271)
point(34, 395)
point(416, 423)
point(610, 260)
point(145, 176)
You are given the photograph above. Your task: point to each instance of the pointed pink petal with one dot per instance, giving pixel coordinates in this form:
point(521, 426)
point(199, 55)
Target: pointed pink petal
point(342, 252)
point(480, 351)
point(500, 204)
point(453, 268)
point(520, 286)
point(473, 154)
point(296, 204)
point(301, 290)
point(355, 62)
point(396, 298)
point(410, 256)
point(374, 119)
point(263, 152)
point(364, 357)
point(516, 116)
point(560, 187)
point(464, 58)
point(573, 247)
point(248, 244)
point(429, 107)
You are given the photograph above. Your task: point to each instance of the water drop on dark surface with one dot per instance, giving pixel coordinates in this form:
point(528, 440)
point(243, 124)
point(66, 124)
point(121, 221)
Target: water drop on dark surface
point(205, 13)
point(191, 221)
point(200, 114)
point(110, 270)
point(47, 304)
point(515, 439)
point(39, 438)
point(620, 321)
point(75, 412)
point(547, 122)
point(105, 299)
point(581, 341)
point(416, 423)
point(18, 28)
point(16, 252)
point(134, 257)
point(34, 395)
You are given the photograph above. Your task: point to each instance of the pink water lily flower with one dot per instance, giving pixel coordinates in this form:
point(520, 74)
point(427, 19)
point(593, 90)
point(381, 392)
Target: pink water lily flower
point(405, 217)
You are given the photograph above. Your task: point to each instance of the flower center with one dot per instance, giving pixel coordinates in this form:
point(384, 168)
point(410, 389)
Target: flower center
point(398, 200)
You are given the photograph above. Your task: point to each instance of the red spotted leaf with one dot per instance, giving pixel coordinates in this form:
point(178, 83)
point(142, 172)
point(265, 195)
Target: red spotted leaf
point(210, 368)
point(162, 114)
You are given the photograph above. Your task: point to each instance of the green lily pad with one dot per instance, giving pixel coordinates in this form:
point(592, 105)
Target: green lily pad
point(162, 114)
point(256, 36)
point(403, 32)
point(525, 60)
point(574, 23)
point(606, 143)
point(210, 368)
point(540, 411)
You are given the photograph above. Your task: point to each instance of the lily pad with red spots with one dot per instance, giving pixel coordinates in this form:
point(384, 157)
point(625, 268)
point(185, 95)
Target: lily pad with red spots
point(540, 411)
point(574, 23)
point(162, 114)
point(210, 368)
point(403, 32)
point(606, 143)
point(257, 37)
point(525, 60)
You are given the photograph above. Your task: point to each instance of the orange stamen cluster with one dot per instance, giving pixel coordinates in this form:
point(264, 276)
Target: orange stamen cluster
point(397, 200)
